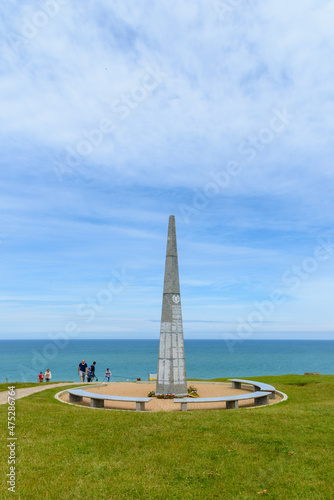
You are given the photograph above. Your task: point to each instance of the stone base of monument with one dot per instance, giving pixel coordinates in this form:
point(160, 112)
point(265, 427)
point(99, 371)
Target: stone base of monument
point(170, 395)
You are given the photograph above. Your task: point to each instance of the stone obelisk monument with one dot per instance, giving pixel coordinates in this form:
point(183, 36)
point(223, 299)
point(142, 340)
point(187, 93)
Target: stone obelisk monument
point(171, 375)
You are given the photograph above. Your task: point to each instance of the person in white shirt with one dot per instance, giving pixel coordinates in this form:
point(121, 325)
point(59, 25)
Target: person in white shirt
point(108, 374)
point(47, 375)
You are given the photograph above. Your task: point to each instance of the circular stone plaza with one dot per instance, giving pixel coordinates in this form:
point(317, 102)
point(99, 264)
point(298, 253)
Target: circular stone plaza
point(211, 396)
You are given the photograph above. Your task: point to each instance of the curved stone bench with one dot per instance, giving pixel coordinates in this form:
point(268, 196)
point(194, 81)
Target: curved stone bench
point(260, 398)
point(97, 400)
point(257, 386)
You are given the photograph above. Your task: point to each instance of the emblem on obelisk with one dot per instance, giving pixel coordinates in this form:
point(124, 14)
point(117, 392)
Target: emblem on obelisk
point(176, 299)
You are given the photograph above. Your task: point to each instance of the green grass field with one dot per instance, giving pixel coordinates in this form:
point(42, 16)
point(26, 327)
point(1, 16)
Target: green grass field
point(284, 451)
point(22, 385)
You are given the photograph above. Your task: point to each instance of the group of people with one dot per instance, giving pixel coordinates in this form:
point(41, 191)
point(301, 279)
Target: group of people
point(47, 376)
point(84, 371)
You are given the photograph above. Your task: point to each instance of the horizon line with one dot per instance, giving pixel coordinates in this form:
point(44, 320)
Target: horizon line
point(157, 339)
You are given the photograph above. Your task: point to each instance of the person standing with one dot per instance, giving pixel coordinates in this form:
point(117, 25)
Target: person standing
point(89, 375)
point(92, 371)
point(40, 377)
point(82, 370)
point(108, 374)
point(47, 375)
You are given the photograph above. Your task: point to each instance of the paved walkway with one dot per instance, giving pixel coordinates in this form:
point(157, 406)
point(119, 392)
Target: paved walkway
point(22, 393)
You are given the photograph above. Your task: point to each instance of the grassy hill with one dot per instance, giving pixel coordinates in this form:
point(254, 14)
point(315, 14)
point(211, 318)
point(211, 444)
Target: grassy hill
point(284, 451)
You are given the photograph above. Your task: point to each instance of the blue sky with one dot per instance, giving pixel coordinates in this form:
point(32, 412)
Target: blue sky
point(115, 115)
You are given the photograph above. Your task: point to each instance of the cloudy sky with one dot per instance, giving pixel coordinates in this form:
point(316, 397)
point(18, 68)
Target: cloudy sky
point(116, 114)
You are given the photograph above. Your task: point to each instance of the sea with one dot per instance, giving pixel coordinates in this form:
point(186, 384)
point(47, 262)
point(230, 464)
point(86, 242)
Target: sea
point(22, 360)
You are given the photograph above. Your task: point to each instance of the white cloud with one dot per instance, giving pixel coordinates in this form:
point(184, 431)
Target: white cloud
point(219, 83)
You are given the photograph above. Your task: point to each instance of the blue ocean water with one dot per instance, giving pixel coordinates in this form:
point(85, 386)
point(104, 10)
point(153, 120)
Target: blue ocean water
point(22, 360)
